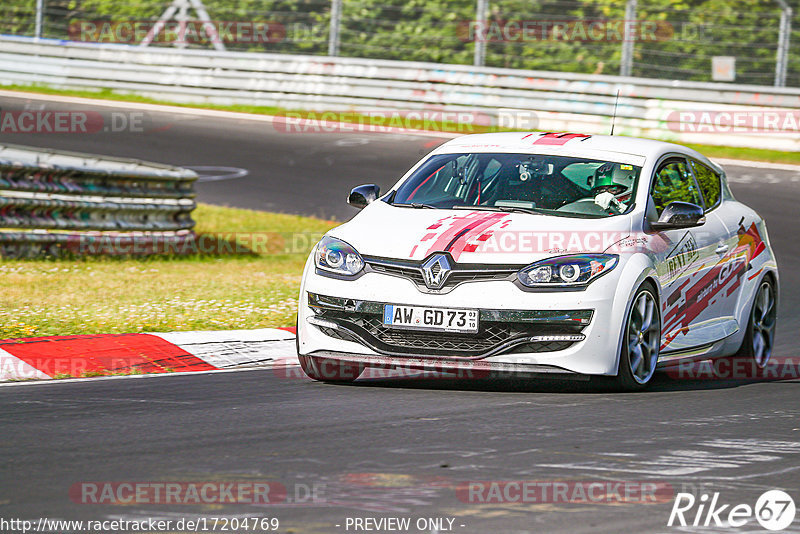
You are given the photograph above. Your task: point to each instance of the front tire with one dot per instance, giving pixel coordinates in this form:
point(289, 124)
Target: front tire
point(641, 341)
point(326, 370)
point(760, 333)
point(322, 369)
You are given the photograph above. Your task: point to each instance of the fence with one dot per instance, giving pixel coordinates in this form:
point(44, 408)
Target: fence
point(559, 101)
point(668, 39)
point(53, 203)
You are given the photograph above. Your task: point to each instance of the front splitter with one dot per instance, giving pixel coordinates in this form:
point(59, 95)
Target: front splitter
point(460, 368)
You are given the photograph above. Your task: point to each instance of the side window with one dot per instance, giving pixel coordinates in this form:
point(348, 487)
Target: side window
point(709, 182)
point(674, 182)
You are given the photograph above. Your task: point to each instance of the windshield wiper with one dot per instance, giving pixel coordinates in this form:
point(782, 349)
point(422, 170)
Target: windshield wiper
point(502, 209)
point(535, 211)
point(416, 205)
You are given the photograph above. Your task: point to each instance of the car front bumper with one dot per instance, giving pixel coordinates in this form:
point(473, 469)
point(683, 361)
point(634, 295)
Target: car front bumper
point(555, 332)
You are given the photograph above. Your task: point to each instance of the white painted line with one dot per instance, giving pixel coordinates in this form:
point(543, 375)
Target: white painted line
point(125, 377)
point(227, 349)
point(683, 462)
point(757, 164)
point(163, 108)
point(224, 336)
point(227, 352)
point(208, 173)
point(235, 115)
point(236, 348)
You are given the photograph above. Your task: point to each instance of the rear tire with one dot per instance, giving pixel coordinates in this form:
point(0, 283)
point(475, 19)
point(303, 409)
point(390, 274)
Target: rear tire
point(760, 333)
point(641, 341)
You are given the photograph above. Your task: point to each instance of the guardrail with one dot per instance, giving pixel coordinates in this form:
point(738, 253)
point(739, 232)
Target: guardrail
point(561, 101)
point(55, 203)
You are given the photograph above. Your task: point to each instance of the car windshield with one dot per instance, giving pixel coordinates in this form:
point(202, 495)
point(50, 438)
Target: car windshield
point(536, 183)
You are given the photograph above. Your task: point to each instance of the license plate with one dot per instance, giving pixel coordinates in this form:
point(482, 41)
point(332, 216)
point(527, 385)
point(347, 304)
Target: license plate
point(425, 318)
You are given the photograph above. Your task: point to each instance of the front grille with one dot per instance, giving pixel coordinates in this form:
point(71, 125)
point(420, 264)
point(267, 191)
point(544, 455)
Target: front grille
point(492, 335)
point(485, 339)
point(469, 344)
point(413, 274)
point(460, 274)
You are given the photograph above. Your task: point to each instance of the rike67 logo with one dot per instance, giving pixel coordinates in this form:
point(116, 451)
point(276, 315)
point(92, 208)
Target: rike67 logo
point(774, 510)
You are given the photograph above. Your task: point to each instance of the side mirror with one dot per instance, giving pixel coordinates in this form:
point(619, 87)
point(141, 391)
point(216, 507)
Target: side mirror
point(680, 215)
point(362, 195)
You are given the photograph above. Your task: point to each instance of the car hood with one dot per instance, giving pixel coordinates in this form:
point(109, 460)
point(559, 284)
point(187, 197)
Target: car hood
point(485, 237)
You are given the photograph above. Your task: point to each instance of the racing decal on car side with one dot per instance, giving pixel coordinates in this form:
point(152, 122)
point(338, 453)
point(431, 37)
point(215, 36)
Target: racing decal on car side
point(453, 234)
point(692, 297)
point(751, 238)
point(701, 295)
point(682, 256)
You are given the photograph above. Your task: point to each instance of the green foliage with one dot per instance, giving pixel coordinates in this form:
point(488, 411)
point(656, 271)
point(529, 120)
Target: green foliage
point(159, 294)
point(408, 30)
point(745, 29)
point(17, 17)
point(690, 32)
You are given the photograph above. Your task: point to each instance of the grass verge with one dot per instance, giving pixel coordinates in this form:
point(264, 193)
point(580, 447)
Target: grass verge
point(256, 289)
point(712, 151)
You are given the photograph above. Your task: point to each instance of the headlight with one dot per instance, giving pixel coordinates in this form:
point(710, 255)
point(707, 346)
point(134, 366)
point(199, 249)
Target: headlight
point(567, 271)
point(335, 256)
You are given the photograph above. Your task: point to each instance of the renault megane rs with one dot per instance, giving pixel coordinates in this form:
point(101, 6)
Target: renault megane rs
point(544, 254)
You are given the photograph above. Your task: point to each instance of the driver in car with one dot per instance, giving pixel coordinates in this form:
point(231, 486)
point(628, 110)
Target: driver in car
point(611, 185)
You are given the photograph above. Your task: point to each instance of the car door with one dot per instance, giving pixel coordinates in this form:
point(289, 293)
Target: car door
point(731, 257)
point(685, 263)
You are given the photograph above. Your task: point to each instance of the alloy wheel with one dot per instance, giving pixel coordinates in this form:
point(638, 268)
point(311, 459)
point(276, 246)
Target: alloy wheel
point(643, 337)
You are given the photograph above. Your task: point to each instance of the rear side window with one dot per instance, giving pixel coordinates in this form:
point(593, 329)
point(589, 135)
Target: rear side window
point(709, 182)
point(673, 182)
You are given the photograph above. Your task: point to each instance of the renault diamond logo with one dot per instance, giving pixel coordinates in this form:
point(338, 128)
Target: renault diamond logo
point(435, 271)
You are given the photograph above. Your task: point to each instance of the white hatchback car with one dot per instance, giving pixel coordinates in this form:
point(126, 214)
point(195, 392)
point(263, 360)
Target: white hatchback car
point(545, 254)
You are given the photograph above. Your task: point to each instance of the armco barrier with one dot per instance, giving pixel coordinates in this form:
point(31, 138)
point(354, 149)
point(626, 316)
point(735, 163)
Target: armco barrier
point(54, 202)
point(561, 101)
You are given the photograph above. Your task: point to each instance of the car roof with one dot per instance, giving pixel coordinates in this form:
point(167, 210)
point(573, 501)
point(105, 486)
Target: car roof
point(616, 147)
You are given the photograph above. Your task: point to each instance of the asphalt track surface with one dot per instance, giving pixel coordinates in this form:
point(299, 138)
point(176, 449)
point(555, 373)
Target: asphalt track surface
point(391, 448)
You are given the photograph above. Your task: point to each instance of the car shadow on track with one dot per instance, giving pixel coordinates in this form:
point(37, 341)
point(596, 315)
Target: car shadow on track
point(661, 383)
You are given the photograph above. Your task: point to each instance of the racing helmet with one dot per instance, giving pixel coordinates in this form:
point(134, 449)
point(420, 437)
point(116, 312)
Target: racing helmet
point(615, 178)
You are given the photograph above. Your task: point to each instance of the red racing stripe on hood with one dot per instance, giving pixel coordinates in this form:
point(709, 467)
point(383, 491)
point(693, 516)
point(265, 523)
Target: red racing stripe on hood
point(454, 231)
point(481, 230)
